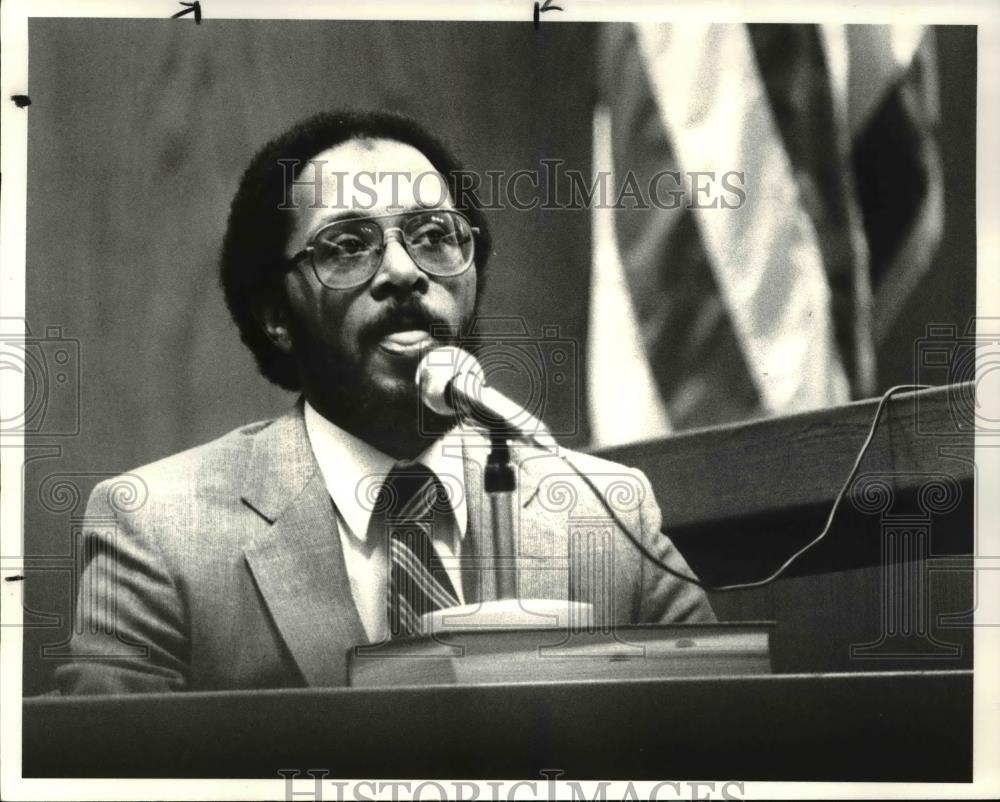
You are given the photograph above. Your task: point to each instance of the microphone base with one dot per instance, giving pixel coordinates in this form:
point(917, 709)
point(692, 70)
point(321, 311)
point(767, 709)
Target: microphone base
point(510, 614)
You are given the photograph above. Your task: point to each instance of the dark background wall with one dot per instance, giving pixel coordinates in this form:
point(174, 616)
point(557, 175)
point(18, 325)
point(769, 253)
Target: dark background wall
point(138, 132)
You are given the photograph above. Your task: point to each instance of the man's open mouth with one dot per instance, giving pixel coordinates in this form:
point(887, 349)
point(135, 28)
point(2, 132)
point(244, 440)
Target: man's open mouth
point(407, 341)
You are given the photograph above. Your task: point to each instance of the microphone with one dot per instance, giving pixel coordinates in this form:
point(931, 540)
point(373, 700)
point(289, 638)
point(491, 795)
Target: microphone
point(452, 382)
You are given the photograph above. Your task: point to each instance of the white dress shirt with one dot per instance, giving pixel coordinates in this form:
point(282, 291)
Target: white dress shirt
point(354, 473)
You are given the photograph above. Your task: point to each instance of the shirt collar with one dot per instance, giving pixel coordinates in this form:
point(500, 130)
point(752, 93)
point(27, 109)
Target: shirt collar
point(354, 471)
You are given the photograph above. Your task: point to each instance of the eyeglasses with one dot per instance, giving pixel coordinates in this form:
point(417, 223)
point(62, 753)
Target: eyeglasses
point(347, 253)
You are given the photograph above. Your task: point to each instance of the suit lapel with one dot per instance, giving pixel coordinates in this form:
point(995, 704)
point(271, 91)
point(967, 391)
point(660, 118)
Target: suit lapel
point(297, 561)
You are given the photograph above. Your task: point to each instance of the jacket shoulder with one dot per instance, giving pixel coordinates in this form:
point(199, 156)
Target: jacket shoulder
point(597, 470)
point(202, 470)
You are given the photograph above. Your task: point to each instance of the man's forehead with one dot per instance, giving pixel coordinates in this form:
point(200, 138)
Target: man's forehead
point(369, 174)
point(365, 154)
point(370, 177)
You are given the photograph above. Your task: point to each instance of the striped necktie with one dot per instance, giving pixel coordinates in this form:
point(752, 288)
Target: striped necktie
point(413, 501)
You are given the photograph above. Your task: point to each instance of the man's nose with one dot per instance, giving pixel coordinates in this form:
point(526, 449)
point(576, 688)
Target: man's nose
point(398, 273)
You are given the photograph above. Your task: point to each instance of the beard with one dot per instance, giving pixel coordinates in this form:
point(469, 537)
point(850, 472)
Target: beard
point(380, 411)
point(387, 414)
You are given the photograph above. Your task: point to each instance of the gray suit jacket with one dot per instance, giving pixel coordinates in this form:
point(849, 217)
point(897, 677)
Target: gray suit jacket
point(220, 567)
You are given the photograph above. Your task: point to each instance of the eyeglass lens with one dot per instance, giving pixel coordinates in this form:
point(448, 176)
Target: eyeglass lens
point(348, 252)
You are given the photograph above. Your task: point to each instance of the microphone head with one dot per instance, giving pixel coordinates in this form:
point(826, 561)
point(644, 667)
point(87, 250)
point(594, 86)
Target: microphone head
point(445, 367)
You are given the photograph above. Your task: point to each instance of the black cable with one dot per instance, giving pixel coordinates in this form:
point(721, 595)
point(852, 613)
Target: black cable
point(829, 520)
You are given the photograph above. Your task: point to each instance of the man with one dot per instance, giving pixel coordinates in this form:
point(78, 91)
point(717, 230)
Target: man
point(260, 559)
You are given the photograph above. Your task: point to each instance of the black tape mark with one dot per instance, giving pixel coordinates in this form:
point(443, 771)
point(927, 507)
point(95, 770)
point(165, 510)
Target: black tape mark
point(190, 8)
point(21, 100)
point(542, 9)
point(15, 578)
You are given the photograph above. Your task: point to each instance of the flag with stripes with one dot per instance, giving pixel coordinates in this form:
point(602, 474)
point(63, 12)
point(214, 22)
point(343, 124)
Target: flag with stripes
point(773, 302)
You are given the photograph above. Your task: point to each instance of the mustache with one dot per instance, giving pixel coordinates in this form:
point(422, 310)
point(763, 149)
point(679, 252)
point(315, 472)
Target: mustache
point(409, 315)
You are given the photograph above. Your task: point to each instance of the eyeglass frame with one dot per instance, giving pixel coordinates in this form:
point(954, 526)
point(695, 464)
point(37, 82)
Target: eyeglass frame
point(309, 249)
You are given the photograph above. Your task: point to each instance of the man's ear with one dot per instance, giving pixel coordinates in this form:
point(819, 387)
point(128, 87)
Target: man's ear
point(272, 317)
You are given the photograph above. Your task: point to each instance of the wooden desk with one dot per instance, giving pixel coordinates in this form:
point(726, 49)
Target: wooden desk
point(914, 726)
point(739, 499)
point(794, 464)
